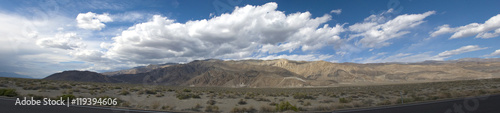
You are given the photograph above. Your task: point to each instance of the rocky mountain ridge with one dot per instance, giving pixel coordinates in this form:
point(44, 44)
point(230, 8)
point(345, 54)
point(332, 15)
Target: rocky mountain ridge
point(288, 73)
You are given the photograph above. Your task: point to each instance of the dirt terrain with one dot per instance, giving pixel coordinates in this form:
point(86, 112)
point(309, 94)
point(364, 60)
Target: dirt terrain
point(227, 99)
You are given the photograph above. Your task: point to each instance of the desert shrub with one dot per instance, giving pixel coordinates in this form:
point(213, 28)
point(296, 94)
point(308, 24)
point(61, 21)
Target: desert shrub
point(326, 101)
point(242, 102)
point(75, 90)
point(243, 110)
point(345, 100)
point(417, 98)
point(8, 92)
point(367, 102)
point(357, 104)
point(159, 95)
point(125, 104)
point(212, 108)
point(186, 90)
point(69, 91)
point(124, 92)
point(446, 95)
point(167, 108)
point(92, 92)
point(267, 109)
point(302, 96)
point(273, 103)
point(155, 105)
point(306, 104)
point(65, 86)
point(150, 92)
point(211, 102)
point(262, 99)
point(134, 89)
point(31, 87)
point(285, 106)
point(182, 96)
point(196, 108)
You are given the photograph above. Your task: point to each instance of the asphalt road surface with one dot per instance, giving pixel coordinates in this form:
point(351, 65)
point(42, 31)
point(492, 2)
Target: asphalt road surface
point(482, 104)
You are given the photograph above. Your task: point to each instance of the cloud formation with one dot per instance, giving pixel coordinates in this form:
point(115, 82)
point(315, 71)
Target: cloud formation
point(409, 57)
point(460, 50)
point(489, 29)
point(336, 11)
point(66, 41)
point(496, 53)
point(245, 32)
point(310, 57)
point(92, 21)
point(375, 31)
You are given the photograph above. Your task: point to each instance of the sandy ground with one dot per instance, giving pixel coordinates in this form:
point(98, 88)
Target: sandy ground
point(227, 99)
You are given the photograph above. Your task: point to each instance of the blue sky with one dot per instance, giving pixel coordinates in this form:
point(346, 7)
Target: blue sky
point(43, 37)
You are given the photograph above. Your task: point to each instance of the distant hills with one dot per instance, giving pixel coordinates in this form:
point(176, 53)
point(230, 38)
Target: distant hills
point(13, 75)
point(288, 73)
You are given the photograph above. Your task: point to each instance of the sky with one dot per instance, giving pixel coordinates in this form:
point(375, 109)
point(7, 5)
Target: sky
point(42, 37)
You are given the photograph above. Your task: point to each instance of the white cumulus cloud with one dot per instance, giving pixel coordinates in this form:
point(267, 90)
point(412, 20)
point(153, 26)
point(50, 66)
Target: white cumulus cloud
point(496, 53)
point(92, 21)
point(489, 29)
point(247, 31)
point(375, 31)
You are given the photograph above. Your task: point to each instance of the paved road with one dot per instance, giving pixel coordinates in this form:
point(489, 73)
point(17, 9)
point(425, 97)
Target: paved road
point(484, 104)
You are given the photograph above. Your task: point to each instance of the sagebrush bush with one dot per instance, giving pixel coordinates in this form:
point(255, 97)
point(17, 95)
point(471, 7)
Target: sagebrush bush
point(285, 106)
point(345, 100)
point(8, 92)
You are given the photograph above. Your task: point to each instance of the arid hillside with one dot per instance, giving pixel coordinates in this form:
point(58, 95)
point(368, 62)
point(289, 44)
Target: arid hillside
point(287, 73)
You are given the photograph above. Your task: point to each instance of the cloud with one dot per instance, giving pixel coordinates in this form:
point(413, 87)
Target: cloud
point(409, 57)
point(62, 41)
point(310, 57)
point(460, 50)
point(376, 31)
point(32, 44)
point(400, 57)
point(130, 16)
point(489, 29)
point(245, 32)
point(496, 53)
point(89, 55)
point(336, 11)
point(92, 21)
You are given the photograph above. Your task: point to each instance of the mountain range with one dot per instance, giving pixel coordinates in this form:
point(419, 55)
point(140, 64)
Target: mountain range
point(13, 75)
point(288, 73)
